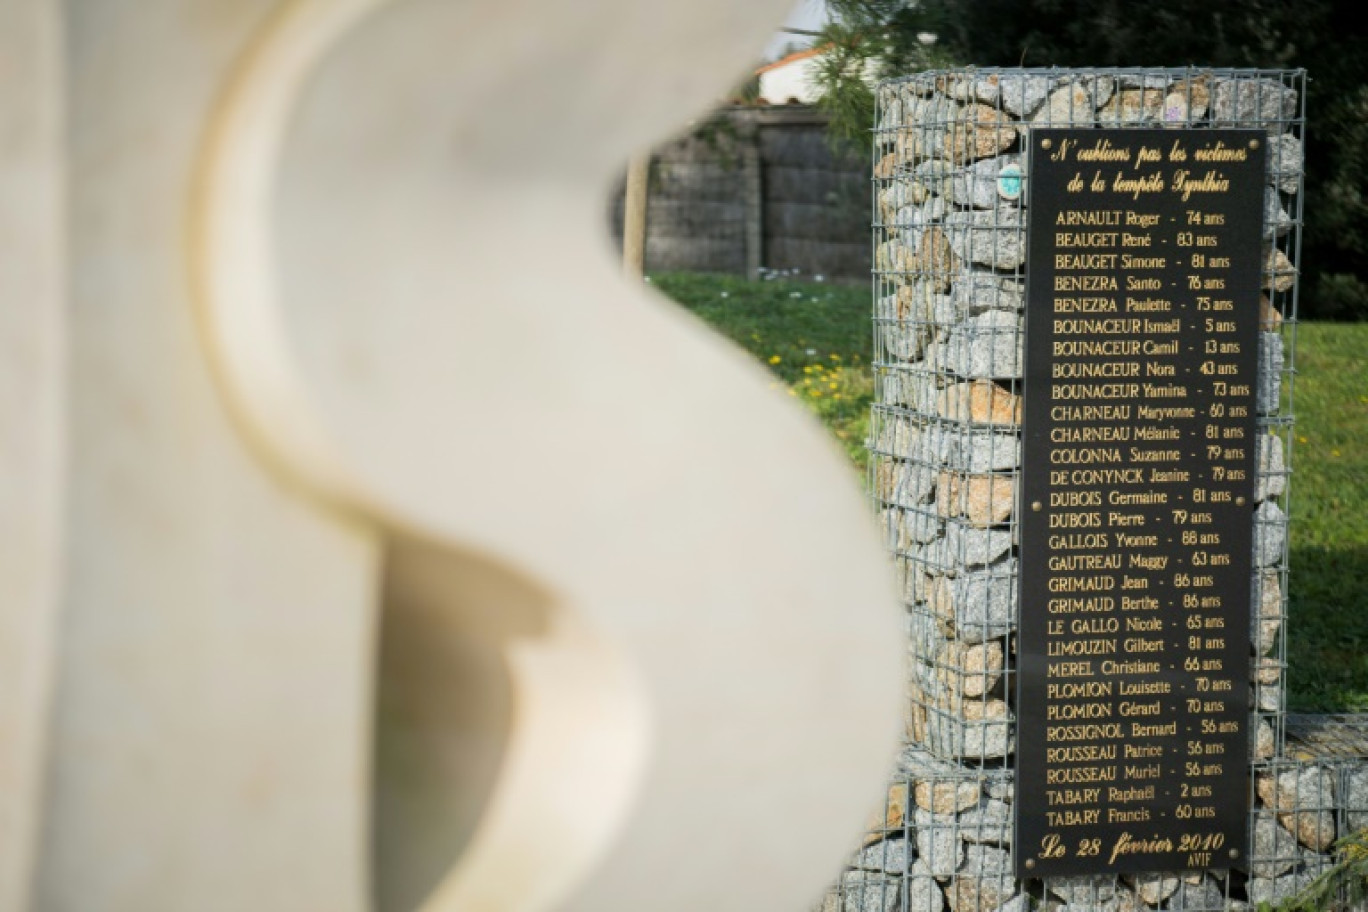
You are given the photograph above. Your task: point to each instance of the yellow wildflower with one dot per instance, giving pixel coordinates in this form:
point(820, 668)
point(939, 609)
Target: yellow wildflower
point(774, 359)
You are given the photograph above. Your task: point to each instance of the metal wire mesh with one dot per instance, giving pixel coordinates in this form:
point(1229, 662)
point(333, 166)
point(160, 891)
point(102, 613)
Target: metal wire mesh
point(950, 190)
point(943, 839)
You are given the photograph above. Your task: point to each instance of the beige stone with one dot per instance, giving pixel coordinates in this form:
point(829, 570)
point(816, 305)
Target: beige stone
point(1270, 318)
point(985, 710)
point(1153, 888)
point(934, 259)
point(1068, 105)
point(979, 401)
point(1187, 100)
point(985, 500)
point(1267, 671)
point(1132, 106)
point(946, 797)
point(1278, 271)
point(973, 670)
point(896, 256)
point(1264, 741)
point(318, 648)
point(1304, 800)
point(978, 131)
point(1268, 619)
point(986, 881)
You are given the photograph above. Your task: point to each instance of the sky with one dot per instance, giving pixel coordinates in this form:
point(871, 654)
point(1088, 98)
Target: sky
point(806, 14)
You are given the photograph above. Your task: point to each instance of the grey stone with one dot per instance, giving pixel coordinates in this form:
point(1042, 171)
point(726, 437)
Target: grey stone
point(1270, 534)
point(1276, 889)
point(905, 339)
point(918, 527)
point(985, 881)
point(944, 315)
point(925, 640)
point(977, 184)
point(937, 845)
point(1270, 471)
point(1083, 890)
point(907, 222)
point(1153, 888)
point(970, 87)
point(1285, 162)
point(1252, 103)
point(989, 821)
point(951, 735)
point(913, 389)
point(1274, 850)
point(983, 347)
point(1022, 902)
point(991, 237)
point(1204, 896)
point(1276, 220)
point(987, 451)
point(1268, 697)
point(1355, 798)
point(896, 434)
point(935, 176)
point(1269, 388)
point(924, 137)
point(1266, 619)
point(909, 571)
point(897, 195)
point(1069, 105)
point(985, 602)
point(890, 113)
point(907, 484)
point(1142, 81)
point(921, 765)
point(1002, 789)
point(966, 546)
point(864, 891)
point(923, 893)
point(937, 446)
point(890, 856)
point(1022, 95)
point(976, 291)
point(913, 217)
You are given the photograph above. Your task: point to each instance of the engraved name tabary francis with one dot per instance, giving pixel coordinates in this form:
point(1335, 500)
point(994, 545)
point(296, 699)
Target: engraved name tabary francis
point(1138, 461)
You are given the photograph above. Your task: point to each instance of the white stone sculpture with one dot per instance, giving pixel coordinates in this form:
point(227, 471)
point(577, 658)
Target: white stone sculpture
point(367, 541)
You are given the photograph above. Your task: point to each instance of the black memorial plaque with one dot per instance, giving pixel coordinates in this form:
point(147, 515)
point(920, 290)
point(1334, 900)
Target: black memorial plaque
point(1136, 527)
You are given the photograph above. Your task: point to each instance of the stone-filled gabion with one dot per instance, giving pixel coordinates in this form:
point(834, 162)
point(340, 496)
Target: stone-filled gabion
point(950, 190)
point(950, 169)
point(942, 841)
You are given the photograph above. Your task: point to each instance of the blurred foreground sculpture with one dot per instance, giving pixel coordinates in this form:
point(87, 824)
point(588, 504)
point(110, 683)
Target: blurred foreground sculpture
point(368, 543)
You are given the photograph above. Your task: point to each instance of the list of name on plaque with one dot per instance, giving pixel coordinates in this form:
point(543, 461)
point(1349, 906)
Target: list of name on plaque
point(1138, 439)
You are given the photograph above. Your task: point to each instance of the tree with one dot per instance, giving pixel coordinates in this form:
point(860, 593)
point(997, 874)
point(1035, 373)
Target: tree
point(880, 38)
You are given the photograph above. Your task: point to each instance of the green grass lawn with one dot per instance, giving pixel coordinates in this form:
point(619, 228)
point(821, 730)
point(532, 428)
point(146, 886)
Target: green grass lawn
point(1328, 588)
point(815, 337)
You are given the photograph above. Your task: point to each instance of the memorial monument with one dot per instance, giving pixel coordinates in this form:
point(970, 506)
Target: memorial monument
point(1082, 283)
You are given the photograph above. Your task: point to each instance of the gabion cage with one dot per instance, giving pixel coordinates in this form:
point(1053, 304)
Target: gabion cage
point(950, 190)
